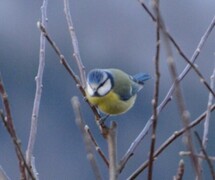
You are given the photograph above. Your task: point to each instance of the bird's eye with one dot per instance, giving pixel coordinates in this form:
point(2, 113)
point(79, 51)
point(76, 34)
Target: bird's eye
point(104, 88)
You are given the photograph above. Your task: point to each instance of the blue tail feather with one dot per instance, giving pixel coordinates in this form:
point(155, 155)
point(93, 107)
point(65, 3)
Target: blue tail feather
point(140, 78)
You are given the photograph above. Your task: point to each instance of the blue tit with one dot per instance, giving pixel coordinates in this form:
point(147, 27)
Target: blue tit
point(112, 90)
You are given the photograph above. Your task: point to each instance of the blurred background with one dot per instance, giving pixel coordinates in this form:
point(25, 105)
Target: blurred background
point(111, 33)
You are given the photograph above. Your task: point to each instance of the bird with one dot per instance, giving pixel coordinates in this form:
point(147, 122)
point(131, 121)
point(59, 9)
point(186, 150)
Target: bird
point(112, 90)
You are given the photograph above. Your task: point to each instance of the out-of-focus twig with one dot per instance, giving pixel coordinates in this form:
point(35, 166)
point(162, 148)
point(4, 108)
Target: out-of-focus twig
point(64, 62)
point(180, 172)
point(88, 144)
point(168, 96)
point(155, 102)
point(76, 53)
point(38, 93)
point(210, 164)
point(8, 122)
point(112, 151)
point(172, 138)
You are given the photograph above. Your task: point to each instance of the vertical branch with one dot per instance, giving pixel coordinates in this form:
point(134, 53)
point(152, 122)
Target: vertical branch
point(88, 144)
point(38, 93)
point(207, 120)
point(8, 122)
point(112, 151)
point(155, 102)
point(76, 53)
point(178, 93)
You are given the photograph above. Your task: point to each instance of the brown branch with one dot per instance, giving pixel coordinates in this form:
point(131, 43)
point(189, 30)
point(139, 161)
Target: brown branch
point(8, 122)
point(64, 62)
point(169, 141)
point(97, 148)
point(155, 102)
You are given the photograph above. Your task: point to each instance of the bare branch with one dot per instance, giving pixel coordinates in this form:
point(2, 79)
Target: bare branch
point(76, 53)
point(64, 62)
point(80, 123)
point(155, 102)
point(172, 138)
point(210, 101)
point(98, 149)
point(8, 122)
point(112, 151)
point(38, 93)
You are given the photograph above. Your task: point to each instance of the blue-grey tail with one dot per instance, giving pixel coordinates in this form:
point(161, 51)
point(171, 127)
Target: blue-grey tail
point(140, 78)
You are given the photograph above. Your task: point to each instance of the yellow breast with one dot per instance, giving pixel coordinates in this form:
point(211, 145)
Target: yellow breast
point(111, 103)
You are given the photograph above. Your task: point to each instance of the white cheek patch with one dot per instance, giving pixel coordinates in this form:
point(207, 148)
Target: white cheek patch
point(90, 90)
point(103, 90)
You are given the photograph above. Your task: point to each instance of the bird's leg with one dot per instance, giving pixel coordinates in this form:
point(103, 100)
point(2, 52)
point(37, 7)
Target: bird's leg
point(103, 119)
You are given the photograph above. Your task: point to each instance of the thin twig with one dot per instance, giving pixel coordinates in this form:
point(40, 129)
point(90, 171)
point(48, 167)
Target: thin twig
point(64, 62)
point(8, 122)
point(97, 148)
point(168, 96)
point(112, 151)
point(210, 164)
point(38, 93)
point(81, 124)
point(180, 172)
point(76, 53)
point(169, 141)
point(155, 102)
point(185, 117)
